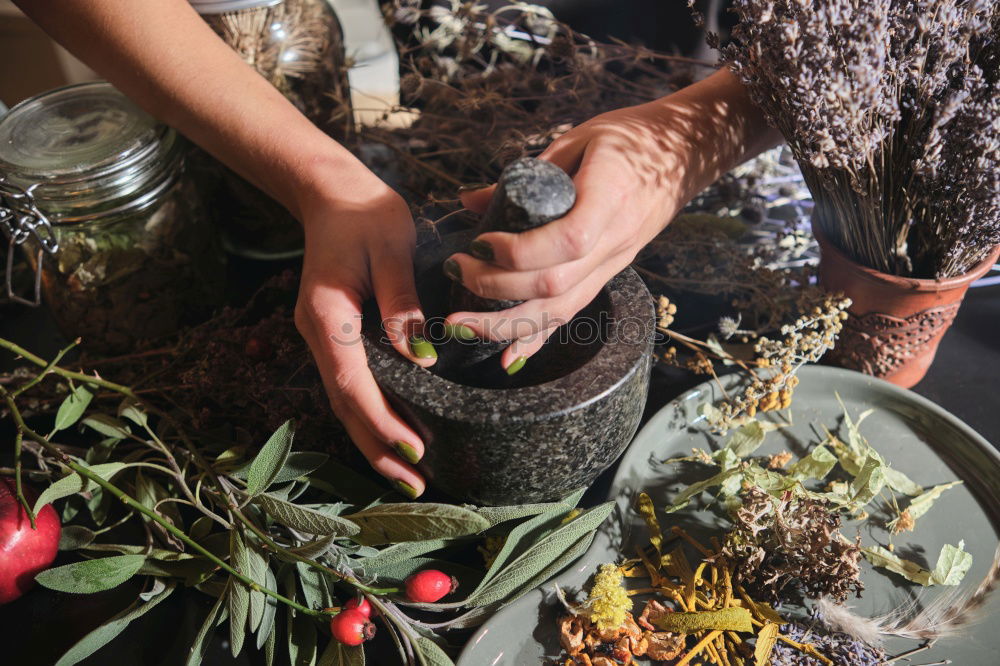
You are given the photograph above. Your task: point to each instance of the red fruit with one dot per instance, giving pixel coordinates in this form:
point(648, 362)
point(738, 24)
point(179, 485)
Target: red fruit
point(430, 585)
point(257, 349)
point(24, 551)
point(351, 627)
point(361, 605)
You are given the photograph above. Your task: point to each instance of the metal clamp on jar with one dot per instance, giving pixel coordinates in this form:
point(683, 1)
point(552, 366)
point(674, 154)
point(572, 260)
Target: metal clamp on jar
point(94, 191)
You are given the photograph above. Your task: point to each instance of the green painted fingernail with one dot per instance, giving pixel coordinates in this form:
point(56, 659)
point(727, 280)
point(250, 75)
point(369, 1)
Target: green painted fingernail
point(403, 488)
point(480, 249)
point(406, 452)
point(453, 270)
point(473, 186)
point(421, 348)
point(459, 331)
point(517, 365)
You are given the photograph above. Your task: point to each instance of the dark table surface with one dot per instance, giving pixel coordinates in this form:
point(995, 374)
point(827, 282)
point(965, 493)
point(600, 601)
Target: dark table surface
point(965, 380)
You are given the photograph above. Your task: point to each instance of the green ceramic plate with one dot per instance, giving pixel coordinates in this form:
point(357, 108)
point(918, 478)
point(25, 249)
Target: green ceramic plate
point(915, 436)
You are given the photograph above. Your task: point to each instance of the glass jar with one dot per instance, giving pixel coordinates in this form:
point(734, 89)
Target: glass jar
point(94, 190)
point(297, 45)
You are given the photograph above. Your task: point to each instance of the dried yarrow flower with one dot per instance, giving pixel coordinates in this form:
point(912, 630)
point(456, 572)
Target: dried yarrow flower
point(608, 602)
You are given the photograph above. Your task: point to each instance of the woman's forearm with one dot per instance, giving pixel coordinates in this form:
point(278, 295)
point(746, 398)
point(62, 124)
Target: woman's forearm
point(163, 56)
point(707, 129)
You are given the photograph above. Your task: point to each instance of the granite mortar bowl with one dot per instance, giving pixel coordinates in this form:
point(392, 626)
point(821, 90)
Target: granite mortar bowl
point(548, 430)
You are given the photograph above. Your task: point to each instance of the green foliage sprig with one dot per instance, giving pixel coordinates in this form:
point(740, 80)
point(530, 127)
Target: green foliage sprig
point(283, 532)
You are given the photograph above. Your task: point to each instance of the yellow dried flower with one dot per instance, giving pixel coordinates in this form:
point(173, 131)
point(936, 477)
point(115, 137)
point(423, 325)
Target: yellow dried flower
point(573, 513)
point(608, 601)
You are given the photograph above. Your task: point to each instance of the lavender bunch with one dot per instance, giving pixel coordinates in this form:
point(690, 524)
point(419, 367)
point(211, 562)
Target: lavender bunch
point(841, 648)
point(892, 110)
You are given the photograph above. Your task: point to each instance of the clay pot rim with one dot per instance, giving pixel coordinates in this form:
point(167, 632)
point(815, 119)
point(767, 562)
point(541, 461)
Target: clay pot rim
point(912, 284)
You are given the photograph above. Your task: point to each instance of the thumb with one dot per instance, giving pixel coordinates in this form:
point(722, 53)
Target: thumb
point(477, 200)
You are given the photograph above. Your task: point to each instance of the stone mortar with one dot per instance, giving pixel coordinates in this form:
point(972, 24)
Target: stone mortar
point(531, 443)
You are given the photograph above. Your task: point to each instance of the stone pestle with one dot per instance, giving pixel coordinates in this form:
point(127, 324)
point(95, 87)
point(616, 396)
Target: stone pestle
point(530, 193)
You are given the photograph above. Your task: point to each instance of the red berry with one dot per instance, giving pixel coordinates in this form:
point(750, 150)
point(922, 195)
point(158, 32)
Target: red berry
point(257, 349)
point(429, 585)
point(351, 627)
point(24, 551)
point(359, 604)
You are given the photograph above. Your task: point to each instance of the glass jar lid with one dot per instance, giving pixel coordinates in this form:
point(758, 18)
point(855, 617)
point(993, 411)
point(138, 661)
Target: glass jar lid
point(222, 6)
point(77, 130)
point(84, 152)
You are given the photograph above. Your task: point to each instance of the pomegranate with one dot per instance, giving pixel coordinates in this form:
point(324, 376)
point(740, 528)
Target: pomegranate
point(24, 551)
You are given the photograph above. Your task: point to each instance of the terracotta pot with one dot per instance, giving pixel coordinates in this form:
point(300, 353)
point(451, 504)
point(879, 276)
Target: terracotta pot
point(895, 323)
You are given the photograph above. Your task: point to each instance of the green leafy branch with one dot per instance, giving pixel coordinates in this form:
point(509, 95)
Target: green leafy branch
point(253, 523)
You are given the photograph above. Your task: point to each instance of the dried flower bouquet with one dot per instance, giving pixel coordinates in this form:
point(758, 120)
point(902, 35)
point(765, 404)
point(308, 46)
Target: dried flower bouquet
point(892, 109)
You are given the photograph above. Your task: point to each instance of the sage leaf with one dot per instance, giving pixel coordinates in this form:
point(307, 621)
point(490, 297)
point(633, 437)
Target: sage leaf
point(108, 631)
point(338, 654)
point(74, 537)
point(557, 565)
point(266, 629)
point(315, 591)
point(313, 549)
point(202, 639)
point(540, 555)
point(816, 465)
point(304, 519)
point(130, 410)
point(430, 653)
point(952, 564)
point(526, 533)
point(503, 514)
point(74, 483)
point(401, 552)
point(406, 521)
point(72, 408)
point(91, 575)
point(302, 640)
point(299, 464)
point(239, 610)
point(108, 426)
point(746, 439)
point(683, 498)
point(271, 458)
point(725, 619)
point(257, 572)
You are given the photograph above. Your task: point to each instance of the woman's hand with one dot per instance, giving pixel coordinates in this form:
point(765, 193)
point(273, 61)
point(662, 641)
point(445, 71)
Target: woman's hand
point(634, 169)
point(359, 244)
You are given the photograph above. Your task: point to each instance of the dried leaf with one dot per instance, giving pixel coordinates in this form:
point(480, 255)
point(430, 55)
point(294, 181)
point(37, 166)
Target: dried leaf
point(816, 465)
point(725, 619)
point(683, 498)
point(645, 507)
point(747, 439)
point(766, 638)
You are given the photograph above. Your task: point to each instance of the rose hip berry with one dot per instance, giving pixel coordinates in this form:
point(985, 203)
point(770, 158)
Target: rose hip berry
point(351, 627)
point(361, 605)
point(257, 349)
point(429, 586)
